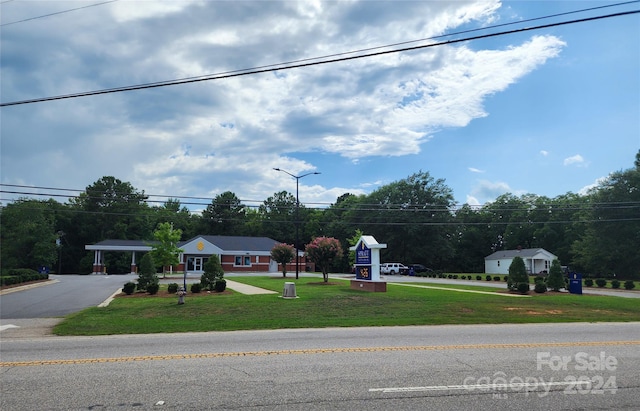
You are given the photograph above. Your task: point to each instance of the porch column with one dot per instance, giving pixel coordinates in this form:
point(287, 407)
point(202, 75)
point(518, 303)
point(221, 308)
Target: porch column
point(133, 263)
point(97, 267)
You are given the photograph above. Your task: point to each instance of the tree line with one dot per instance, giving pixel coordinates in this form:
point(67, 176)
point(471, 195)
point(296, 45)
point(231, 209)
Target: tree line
point(597, 233)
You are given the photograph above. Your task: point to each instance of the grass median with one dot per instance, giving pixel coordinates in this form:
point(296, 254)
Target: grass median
point(336, 305)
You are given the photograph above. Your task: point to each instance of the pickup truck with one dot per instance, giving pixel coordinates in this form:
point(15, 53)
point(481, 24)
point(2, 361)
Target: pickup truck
point(393, 268)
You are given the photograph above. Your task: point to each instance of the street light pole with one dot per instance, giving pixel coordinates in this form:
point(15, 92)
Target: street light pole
point(297, 213)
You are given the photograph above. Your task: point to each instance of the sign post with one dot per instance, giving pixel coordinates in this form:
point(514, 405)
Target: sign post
point(367, 265)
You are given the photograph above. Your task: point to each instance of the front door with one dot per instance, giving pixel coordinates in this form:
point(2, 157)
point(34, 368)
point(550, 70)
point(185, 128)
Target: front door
point(195, 264)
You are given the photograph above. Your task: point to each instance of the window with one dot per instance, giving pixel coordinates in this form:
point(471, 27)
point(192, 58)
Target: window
point(243, 260)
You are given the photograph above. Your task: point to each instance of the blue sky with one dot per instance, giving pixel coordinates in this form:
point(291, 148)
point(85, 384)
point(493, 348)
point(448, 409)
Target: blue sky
point(546, 112)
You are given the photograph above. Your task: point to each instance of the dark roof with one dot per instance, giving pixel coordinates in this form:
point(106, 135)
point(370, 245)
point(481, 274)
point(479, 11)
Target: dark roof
point(525, 252)
point(238, 243)
point(225, 243)
point(125, 243)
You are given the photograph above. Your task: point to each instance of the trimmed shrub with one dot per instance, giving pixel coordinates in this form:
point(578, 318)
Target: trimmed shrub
point(172, 288)
point(129, 288)
point(523, 288)
point(147, 273)
point(212, 272)
point(555, 280)
point(488, 277)
point(588, 282)
point(455, 276)
point(629, 285)
point(153, 288)
point(540, 287)
point(196, 288)
point(601, 282)
point(517, 274)
point(220, 285)
point(615, 284)
point(497, 278)
point(478, 278)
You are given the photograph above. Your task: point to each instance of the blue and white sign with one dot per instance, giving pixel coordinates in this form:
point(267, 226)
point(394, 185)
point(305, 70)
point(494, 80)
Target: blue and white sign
point(363, 254)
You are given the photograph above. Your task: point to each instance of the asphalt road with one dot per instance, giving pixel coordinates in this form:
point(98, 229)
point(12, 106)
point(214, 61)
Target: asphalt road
point(486, 367)
point(69, 293)
point(498, 367)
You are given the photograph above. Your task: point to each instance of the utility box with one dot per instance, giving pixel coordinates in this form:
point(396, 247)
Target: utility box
point(575, 283)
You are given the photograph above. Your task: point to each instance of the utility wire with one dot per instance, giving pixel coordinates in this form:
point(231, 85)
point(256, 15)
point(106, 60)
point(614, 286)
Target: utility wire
point(307, 64)
point(56, 13)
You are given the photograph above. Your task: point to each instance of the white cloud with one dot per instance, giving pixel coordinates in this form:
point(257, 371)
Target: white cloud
point(475, 170)
point(574, 160)
point(544, 153)
point(228, 134)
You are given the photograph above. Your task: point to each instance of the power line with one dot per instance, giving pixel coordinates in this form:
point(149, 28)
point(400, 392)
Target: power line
point(56, 13)
point(406, 209)
point(246, 72)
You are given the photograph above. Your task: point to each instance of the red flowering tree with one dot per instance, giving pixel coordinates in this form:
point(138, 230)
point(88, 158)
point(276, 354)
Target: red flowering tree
point(323, 251)
point(283, 254)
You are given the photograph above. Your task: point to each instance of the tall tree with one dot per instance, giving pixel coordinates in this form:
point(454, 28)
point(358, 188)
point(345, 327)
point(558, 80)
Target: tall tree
point(412, 217)
point(278, 217)
point(28, 234)
point(172, 211)
point(225, 215)
point(611, 241)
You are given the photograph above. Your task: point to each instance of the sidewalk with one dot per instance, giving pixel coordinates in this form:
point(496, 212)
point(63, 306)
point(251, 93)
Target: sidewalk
point(247, 289)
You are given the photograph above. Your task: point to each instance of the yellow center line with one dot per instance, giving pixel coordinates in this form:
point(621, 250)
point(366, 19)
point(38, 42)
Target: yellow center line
point(313, 351)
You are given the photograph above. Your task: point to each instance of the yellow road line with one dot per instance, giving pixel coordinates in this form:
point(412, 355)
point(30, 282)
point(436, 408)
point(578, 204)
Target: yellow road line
point(314, 351)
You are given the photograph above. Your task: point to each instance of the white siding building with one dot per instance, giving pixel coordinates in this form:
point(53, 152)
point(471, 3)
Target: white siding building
point(536, 260)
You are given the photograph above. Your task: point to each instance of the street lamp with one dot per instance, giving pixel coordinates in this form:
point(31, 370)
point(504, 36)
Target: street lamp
point(297, 212)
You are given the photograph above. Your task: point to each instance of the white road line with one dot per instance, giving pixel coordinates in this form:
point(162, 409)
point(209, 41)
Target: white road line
point(6, 327)
point(479, 387)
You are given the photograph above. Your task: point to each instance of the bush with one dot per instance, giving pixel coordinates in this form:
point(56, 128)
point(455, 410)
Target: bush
point(196, 288)
point(488, 277)
point(147, 276)
point(601, 282)
point(540, 287)
point(172, 288)
point(629, 285)
point(523, 288)
point(129, 288)
point(153, 288)
point(556, 278)
point(615, 284)
point(212, 272)
point(455, 276)
point(478, 278)
point(588, 282)
point(220, 285)
point(517, 274)
point(463, 277)
point(497, 278)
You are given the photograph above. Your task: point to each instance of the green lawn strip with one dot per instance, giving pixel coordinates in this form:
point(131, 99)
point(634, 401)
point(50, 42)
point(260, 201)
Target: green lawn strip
point(436, 285)
point(335, 305)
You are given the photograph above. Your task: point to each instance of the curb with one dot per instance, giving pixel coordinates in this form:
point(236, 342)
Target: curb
point(27, 287)
point(106, 302)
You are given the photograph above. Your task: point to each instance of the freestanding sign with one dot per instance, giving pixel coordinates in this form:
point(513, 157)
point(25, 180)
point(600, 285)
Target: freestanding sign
point(367, 265)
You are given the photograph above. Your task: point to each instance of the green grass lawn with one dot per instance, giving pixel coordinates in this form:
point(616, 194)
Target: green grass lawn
point(336, 305)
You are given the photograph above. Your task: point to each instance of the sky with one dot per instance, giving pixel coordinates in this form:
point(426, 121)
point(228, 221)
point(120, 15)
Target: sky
point(546, 111)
